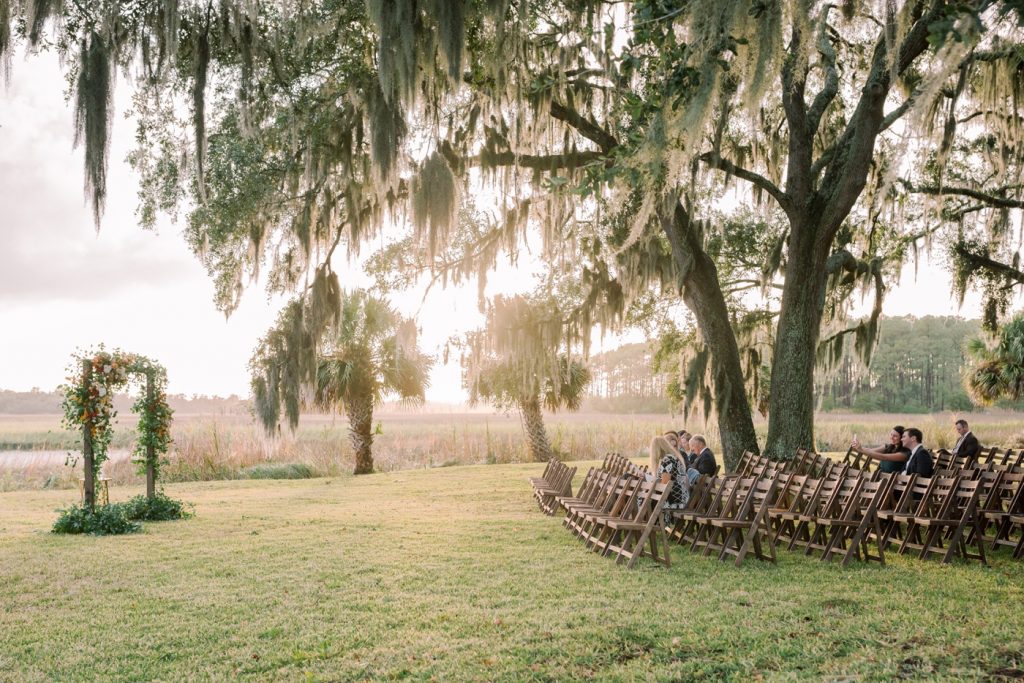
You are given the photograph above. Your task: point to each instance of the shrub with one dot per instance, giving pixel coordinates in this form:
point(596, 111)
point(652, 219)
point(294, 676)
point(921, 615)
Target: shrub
point(279, 470)
point(160, 508)
point(105, 520)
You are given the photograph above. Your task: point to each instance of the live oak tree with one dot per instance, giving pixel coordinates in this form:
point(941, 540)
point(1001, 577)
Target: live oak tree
point(354, 354)
point(610, 132)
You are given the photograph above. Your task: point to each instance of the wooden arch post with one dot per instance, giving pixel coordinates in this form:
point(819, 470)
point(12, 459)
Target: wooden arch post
point(150, 448)
point(88, 476)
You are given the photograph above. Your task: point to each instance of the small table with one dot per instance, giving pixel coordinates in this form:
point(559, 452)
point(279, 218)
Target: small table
point(102, 490)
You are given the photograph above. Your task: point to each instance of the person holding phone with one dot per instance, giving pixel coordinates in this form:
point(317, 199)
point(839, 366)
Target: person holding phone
point(893, 455)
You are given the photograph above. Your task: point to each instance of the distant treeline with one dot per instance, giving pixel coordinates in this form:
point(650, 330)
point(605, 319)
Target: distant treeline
point(623, 383)
point(38, 402)
point(916, 368)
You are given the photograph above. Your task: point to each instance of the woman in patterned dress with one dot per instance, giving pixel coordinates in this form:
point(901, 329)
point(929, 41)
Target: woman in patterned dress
point(668, 465)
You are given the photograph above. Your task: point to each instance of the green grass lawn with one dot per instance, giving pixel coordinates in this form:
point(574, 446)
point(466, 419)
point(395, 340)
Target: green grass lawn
point(454, 574)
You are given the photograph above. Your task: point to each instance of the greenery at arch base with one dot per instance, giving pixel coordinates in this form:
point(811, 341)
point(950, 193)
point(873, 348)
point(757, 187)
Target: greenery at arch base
point(89, 402)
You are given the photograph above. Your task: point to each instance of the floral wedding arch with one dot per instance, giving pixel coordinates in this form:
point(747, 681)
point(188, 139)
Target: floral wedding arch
point(93, 377)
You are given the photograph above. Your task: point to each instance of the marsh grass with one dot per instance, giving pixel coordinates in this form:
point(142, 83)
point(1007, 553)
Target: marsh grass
point(208, 447)
point(453, 574)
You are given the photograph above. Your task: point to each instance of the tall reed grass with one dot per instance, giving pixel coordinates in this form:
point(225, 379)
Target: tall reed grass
point(210, 447)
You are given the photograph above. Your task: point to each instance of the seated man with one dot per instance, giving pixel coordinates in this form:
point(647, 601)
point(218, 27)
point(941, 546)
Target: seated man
point(703, 461)
point(967, 444)
point(920, 460)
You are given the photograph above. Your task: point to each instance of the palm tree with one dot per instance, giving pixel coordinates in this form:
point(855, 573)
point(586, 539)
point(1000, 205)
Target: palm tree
point(997, 372)
point(507, 384)
point(372, 354)
point(519, 361)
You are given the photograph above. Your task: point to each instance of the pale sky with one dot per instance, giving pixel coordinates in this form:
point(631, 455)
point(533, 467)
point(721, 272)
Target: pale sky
point(64, 286)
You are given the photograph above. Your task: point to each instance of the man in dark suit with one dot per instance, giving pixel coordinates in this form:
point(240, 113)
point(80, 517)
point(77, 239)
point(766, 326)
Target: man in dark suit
point(703, 459)
point(920, 460)
point(967, 444)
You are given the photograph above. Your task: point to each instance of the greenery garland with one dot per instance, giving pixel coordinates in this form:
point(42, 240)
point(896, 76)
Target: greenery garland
point(89, 400)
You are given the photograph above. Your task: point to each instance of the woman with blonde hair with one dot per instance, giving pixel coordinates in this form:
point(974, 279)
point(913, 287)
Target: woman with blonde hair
point(668, 465)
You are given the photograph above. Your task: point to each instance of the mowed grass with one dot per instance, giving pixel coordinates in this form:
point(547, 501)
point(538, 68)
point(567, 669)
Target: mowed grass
point(453, 574)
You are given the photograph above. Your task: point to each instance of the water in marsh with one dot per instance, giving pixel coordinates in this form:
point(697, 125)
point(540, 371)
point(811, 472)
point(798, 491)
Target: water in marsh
point(17, 460)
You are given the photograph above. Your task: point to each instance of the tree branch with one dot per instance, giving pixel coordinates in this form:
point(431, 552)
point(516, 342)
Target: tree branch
point(979, 261)
point(586, 127)
point(989, 199)
point(542, 162)
point(715, 161)
point(831, 87)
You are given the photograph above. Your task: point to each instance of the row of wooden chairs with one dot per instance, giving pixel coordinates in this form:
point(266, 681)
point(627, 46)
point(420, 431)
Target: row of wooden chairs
point(554, 482)
point(619, 514)
point(991, 459)
point(616, 463)
point(842, 517)
point(809, 503)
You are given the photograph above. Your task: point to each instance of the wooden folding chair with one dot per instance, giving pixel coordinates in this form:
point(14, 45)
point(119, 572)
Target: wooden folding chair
point(627, 506)
point(859, 520)
point(629, 538)
point(838, 506)
point(717, 504)
point(622, 504)
point(585, 490)
point(601, 500)
point(933, 505)
point(818, 499)
point(711, 538)
point(702, 496)
point(744, 461)
point(1018, 522)
point(789, 504)
point(542, 480)
point(958, 515)
point(1005, 501)
point(748, 529)
point(561, 485)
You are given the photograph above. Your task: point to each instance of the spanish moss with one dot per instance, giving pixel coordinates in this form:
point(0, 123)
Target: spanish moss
point(92, 117)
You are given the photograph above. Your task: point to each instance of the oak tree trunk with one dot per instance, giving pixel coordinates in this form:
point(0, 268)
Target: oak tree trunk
point(791, 398)
point(702, 293)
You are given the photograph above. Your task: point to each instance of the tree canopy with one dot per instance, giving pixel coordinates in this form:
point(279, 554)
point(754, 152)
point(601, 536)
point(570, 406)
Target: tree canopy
point(616, 135)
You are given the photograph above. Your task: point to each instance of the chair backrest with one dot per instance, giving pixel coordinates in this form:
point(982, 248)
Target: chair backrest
point(943, 459)
point(739, 502)
point(1016, 460)
point(724, 497)
point(962, 499)
point(989, 486)
point(938, 498)
point(836, 471)
point(821, 496)
point(869, 496)
point(588, 482)
point(842, 498)
point(1008, 495)
point(960, 462)
point(893, 498)
point(762, 497)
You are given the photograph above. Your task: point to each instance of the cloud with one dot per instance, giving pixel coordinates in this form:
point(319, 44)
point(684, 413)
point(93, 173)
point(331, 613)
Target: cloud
point(51, 250)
